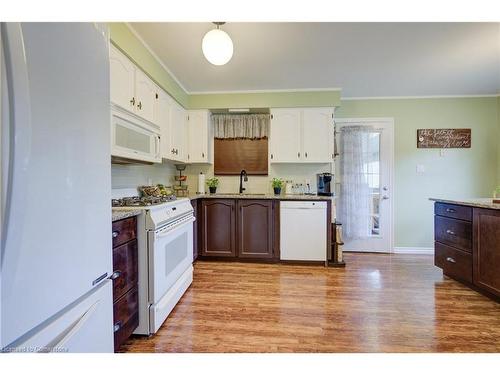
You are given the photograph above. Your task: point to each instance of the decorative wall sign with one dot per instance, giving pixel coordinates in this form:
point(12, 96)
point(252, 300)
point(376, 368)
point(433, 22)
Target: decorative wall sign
point(443, 138)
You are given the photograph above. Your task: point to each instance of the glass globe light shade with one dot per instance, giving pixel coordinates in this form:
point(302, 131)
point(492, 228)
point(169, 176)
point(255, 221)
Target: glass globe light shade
point(217, 47)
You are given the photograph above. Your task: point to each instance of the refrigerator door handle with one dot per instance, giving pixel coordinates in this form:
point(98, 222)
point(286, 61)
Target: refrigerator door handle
point(19, 131)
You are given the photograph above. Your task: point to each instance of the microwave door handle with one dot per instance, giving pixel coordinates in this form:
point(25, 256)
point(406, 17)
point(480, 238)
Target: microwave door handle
point(15, 160)
point(157, 146)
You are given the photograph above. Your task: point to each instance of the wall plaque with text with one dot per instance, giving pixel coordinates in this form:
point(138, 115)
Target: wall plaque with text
point(443, 138)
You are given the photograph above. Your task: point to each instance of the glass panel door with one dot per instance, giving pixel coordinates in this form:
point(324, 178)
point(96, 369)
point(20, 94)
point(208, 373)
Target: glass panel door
point(373, 166)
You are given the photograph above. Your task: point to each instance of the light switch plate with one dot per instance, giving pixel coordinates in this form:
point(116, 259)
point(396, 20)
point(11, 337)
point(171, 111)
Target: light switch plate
point(420, 168)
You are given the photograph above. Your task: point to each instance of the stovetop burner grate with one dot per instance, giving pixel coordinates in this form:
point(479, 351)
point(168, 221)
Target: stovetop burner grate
point(141, 201)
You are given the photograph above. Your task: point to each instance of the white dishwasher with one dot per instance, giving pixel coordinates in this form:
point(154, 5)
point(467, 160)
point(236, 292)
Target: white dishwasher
point(303, 230)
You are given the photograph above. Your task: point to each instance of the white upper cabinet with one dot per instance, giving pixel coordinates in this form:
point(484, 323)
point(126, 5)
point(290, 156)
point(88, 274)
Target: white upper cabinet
point(317, 135)
point(285, 135)
point(198, 137)
point(146, 93)
point(122, 80)
point(178, 133)
point(301, 135)
point(162, 116)
point(131, 89)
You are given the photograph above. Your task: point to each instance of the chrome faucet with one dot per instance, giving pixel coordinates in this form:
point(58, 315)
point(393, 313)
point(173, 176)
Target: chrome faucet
point(243, 173)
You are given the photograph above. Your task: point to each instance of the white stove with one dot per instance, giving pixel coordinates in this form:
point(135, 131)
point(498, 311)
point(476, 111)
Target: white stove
point(165, 235)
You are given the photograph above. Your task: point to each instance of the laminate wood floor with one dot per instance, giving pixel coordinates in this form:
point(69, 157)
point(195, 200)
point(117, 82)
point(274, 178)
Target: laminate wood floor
point(378, 303)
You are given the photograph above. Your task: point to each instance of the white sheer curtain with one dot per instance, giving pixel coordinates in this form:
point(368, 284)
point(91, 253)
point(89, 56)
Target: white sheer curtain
point(251, 126)
point(354, 201)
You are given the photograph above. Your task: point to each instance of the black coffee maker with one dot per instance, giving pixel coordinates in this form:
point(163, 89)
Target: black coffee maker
point(325, 183)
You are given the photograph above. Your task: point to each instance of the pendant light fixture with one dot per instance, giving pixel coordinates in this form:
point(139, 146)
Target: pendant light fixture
point(217, 46)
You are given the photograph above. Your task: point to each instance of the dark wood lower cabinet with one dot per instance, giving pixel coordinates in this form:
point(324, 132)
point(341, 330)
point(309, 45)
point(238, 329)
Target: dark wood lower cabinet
point(255, 229)
point(238, 229)
point(125, 277)
point(218, 222)
point(467, 246)
point(486, 249)
point(194, 203)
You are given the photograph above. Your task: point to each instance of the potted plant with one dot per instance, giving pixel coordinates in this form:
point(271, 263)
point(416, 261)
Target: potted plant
point(277, 185)
point(212, 184)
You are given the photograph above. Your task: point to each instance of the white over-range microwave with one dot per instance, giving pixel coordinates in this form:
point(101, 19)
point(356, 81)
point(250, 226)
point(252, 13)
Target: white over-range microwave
point(133, 138)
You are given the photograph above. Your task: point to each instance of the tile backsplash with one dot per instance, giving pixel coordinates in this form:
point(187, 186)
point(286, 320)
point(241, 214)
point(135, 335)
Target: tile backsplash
point(132, 176)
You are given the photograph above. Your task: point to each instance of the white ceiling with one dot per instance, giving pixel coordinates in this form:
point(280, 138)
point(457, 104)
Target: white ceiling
point(363, 59)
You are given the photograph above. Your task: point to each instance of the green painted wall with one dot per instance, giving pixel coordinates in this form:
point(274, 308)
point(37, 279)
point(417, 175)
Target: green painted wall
point(459, 173)
point(265, 100)
point(124, 39)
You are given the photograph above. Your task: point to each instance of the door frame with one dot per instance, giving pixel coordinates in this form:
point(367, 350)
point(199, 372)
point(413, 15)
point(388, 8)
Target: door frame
point(389, 122)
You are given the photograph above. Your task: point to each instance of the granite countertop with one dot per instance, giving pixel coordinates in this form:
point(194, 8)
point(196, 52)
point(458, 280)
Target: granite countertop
point(123, 213)
point(292, 197)
point(472, 202)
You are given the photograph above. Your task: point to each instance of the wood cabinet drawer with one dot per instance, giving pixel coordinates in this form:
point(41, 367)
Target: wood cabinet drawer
point(454, 262)
point(457, 233)
point(125, 316)
point(125, 272)
point(453, 210)
point(124, 230)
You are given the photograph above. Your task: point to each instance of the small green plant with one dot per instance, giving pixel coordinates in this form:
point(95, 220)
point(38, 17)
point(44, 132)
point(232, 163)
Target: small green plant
point(213, 182)
point(277, 183)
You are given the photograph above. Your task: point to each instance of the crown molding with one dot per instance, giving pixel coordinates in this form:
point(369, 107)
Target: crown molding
point(312, 89)
point(417, 97)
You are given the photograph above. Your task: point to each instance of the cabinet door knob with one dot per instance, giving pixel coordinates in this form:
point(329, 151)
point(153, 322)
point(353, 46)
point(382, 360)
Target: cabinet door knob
point(115, 275)
point(306, 154)
point(298, 154)
point(115, 233)
point(271, 156)
point(202, 154)
point(139, 105)
point(117, 326)
point(132, 101)
point(451, 260)
point(449, 231)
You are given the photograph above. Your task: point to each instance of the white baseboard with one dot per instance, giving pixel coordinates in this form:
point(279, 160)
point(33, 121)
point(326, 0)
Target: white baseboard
point(414, 250)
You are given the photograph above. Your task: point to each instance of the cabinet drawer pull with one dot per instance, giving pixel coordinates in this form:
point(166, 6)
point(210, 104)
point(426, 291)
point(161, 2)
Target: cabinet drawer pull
point(451, 260)
point(298, 154)
point(116, 233)
point(449, 231)
point(451, 210)
point(132, 101)
point(117, 326)
point(202, 154)
point(139, 105)
point(306, 154)
point(115, 275)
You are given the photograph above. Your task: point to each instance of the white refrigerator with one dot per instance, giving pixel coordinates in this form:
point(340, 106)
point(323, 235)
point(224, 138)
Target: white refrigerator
point(56, 254)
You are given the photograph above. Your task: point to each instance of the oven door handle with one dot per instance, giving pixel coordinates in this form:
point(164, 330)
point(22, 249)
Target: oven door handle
point(171, 229)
